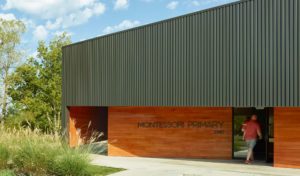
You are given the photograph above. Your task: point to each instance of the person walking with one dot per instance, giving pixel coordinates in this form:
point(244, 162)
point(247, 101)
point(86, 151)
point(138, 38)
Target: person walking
point(251, 131)
point(243, 128)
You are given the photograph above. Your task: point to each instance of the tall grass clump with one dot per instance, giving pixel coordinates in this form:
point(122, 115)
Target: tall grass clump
point(7, 173)
point(31, 152)
point(4, 157)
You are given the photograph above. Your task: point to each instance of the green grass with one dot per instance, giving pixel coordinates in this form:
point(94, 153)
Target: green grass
point(101, 170)
point(7, 173)
point(32, 153)
point(93, 170)
point(4, 157)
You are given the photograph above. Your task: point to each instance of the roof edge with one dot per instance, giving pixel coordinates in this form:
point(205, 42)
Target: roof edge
point(162, 21)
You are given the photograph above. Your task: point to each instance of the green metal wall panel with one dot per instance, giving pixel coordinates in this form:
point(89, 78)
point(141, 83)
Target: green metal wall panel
point(243, 54)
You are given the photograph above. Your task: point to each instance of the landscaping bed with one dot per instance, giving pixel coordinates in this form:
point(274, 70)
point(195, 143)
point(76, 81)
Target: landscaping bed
point(32, 153)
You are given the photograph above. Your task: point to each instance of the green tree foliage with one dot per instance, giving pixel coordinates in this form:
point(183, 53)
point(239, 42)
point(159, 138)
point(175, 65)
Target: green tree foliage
point(35, 87)
point(10, 38)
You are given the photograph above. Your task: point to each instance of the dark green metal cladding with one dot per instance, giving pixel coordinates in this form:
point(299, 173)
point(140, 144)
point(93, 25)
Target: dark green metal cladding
point(243, 54)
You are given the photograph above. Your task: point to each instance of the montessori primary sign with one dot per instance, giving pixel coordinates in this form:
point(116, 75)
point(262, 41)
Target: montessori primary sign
point(216, 126)
point(182, 124)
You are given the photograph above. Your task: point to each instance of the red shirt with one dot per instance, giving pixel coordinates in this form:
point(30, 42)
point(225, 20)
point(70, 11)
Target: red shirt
point(251, 128)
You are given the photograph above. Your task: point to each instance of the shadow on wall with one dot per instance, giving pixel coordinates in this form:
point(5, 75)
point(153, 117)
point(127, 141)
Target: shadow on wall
point(87, 125)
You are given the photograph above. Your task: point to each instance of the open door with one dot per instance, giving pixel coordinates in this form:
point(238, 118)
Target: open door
point(264, 148)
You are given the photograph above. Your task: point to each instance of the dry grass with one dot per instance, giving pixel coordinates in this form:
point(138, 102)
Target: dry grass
point(33, 153)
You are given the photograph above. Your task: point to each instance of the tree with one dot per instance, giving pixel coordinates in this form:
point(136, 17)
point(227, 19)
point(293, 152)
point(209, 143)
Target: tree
point(10, 36)
point(36, 85)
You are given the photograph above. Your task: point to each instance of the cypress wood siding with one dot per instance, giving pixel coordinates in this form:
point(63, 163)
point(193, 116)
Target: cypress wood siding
point(287, 137)
point(126, 139)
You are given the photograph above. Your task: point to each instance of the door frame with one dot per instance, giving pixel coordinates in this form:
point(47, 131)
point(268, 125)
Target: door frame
point(268, 112)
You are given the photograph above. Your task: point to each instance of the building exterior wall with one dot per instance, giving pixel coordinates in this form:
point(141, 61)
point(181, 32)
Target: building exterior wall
point(244, 54)
point(176, 132)
point(287, 138)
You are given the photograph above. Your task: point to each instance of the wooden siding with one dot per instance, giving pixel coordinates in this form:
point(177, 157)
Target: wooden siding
point(287, 137)
point(84, 121)
point(125, 138)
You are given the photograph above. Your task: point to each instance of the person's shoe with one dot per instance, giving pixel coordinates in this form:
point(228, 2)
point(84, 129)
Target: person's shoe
point(247, 162)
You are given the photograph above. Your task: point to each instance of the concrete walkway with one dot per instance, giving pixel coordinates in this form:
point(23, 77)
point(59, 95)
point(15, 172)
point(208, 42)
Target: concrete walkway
point(186, 167)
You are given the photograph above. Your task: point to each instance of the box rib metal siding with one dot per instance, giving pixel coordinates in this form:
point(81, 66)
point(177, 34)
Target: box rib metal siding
point(243, 54)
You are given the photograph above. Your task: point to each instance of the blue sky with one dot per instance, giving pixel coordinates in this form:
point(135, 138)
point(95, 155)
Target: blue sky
point(84, 19)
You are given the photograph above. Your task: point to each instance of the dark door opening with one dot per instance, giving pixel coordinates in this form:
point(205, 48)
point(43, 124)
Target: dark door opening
point(88, 126)
point(264, 148)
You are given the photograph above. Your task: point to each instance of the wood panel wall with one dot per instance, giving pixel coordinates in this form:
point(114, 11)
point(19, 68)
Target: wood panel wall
point(125, 138)
point(84, 121)
point(287, 137)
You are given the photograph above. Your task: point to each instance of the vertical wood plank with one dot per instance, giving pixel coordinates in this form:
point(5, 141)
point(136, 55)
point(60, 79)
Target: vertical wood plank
point(125, 138)
point(286, 137)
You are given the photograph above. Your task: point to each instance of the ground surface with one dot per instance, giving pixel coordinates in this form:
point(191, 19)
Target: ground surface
point(180, 167)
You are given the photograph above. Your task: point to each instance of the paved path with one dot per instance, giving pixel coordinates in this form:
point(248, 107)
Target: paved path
point(186, 167)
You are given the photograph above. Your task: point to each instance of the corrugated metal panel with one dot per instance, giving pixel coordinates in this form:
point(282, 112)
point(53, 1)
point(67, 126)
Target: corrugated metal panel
point(244, 54)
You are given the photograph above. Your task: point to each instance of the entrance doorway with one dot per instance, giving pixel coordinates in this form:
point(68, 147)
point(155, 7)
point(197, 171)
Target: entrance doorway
point(88, 125)
point(264, 148)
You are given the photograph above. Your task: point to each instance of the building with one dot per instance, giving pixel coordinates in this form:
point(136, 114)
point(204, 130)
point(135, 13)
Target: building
point(182, 87)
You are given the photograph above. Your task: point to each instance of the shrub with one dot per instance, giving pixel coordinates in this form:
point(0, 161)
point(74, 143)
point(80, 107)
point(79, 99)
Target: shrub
point(31, 159)
point(70, 163)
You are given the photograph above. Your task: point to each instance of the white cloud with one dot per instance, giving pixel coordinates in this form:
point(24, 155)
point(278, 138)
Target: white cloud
point(172, 5)
point(58, 33)
point(28, 23)
point(49, 8)
point(40, 32)
point(59, 13)
point(7, 16)
point(34, 54)
point(195, 3)
point(81, 16)
point(126, 24)
point(121, 4)
point(54, 25)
